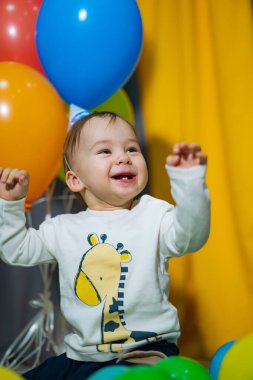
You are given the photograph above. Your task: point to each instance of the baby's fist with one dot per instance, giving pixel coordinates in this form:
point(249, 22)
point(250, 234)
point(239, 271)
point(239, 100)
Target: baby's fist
point(14, 184)
point(186, 155)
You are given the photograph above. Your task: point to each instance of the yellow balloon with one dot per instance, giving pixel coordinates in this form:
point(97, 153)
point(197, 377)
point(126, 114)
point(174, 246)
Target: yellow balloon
point(33, 125)
point(120, 104)
point(6, 374)
point(237, 363)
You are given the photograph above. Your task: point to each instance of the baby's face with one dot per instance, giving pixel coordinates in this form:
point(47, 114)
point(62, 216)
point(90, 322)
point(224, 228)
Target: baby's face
point(110, 164)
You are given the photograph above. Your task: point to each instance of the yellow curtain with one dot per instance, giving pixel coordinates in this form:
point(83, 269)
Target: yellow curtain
point(196, 85)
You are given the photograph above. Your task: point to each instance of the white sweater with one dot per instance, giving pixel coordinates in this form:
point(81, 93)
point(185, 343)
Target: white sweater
point(113, 264)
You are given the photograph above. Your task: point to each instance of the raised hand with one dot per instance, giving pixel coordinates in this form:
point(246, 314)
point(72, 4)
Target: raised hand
point(13, 184)
point(186, 155)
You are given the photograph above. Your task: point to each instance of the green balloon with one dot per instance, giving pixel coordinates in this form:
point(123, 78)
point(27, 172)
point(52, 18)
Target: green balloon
point(61, 174)
point(181, 368)
point(108, 373)
point(120, 104)
point(141, 372)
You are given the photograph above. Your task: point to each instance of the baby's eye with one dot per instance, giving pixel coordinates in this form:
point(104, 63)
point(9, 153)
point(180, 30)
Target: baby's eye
point(132, 149)
point(104, 151)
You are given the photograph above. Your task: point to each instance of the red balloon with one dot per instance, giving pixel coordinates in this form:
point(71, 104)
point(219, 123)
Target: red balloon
point(17, 32)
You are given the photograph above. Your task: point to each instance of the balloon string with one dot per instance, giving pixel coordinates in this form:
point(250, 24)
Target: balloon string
point(68, 201)
point(15, 357)
point(39, 331)
point(49, 195)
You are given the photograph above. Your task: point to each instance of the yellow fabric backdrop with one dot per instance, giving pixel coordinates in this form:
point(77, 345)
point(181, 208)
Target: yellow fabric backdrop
point(196, 85)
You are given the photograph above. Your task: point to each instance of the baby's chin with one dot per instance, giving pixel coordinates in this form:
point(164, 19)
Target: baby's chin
point(124, 202)
point(108, 204)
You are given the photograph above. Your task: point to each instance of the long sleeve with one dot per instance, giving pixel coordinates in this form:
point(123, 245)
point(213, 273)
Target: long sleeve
point(20, 245)
point(186, 228)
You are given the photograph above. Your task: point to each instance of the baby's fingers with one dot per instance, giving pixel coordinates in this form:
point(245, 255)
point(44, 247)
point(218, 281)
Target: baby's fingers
point(23, 177)
point(185, 149)
point(5, 174)
point(173, 160)
point(194, 149)
point(201, 158)
point(181, 148)
point(12, 177)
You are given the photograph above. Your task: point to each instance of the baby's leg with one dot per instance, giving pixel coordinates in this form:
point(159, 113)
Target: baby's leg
point(61, 368)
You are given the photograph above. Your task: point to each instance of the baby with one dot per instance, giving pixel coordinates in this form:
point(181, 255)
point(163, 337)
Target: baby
point(112, 257)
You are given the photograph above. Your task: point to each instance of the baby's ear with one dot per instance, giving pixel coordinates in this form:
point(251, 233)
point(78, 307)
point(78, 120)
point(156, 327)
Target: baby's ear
point(74, 183)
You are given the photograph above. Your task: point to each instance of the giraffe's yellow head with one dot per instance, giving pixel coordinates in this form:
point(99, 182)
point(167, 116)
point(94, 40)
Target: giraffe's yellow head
point(99, 271)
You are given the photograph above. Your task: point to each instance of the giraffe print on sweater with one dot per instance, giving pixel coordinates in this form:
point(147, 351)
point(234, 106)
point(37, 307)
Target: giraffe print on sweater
point(101, 278)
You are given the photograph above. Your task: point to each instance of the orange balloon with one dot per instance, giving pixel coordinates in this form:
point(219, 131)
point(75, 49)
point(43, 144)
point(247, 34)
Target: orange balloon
point(33, 125)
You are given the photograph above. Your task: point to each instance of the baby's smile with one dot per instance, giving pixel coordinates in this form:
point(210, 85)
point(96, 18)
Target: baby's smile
point(124, 178)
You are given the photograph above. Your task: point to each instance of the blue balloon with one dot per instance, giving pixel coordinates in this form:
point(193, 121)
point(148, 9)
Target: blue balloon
point(217, 359)
point(108, 373)
point(89, 48)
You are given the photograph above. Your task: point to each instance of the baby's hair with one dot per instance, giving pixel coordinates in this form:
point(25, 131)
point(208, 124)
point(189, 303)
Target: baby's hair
point(73, 137)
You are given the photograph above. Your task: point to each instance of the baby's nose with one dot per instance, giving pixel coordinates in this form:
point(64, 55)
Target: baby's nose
point(123, 159)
